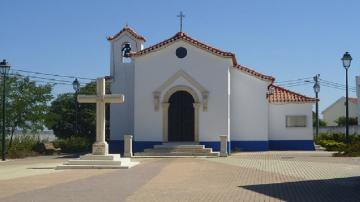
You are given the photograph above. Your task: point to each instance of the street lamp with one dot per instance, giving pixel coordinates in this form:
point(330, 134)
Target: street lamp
point(317, 90)
point(76, 87)
point(346, 60)
point(4, 68)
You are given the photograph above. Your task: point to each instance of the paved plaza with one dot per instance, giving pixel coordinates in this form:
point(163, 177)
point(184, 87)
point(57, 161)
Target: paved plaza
point(251, 176)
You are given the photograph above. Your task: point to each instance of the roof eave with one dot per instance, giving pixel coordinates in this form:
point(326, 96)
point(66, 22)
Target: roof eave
point(128, 30)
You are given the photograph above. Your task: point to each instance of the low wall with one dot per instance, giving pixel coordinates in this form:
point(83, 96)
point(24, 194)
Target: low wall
point(339, 129)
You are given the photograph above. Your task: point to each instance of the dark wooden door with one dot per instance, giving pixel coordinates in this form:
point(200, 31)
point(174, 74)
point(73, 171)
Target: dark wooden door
point(181, 117)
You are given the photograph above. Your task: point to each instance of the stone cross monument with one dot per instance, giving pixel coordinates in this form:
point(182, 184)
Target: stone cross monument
point(100, 147)
point(100, 157)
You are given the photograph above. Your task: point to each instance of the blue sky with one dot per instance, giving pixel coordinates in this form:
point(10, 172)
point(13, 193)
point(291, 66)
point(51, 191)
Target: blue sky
point(285, 39)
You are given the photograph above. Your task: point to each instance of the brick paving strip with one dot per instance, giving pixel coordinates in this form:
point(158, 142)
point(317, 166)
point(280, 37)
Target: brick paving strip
point(29, 183)
point(203, 180)
point(305, 169)
point(237, 179)
point(81, 185)
point(269, 176)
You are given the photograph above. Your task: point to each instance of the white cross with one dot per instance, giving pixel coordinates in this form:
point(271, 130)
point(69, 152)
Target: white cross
point(100, 99)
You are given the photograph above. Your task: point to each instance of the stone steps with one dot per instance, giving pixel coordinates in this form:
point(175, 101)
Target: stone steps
point(207, 150)
point(176, 154)
point(97, 162)
point(63, 167)
point(113, 161)
point(181, 149)
point(165, 146)
point(110, 157)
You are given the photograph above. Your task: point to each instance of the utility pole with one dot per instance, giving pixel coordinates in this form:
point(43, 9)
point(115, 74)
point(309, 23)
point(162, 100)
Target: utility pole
point(317, 90)
point(4, 67)
point(76, 86)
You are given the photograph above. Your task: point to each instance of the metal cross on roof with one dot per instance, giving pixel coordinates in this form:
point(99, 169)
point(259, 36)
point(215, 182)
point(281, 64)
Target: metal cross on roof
point(181, 16)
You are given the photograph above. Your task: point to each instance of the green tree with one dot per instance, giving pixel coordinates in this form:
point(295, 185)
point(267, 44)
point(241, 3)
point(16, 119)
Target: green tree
point(341, 121)
point(322, 123)
point(61, 118)
point(26, 105)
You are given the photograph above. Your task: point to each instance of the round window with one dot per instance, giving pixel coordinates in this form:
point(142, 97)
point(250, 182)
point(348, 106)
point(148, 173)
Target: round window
point(181, 52)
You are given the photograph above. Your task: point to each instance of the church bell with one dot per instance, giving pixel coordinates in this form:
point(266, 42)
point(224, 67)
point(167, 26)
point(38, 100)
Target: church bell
point(126, 50)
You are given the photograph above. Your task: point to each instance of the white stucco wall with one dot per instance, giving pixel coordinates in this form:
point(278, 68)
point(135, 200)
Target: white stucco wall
point(249, 107)
point(277, 122)
point(338, 109)
point(153, 69)
point(122, 115)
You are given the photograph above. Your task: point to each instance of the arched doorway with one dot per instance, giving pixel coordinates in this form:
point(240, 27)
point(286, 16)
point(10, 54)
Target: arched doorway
point(181, 117)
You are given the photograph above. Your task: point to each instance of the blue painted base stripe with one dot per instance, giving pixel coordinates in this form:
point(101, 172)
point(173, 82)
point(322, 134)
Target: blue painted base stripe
point(117, 146)
point(291, 145)
point(215, 145)
point(249, 145)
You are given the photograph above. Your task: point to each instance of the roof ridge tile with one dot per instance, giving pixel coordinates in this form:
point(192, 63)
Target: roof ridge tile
point(213, 50)
point(127, 29)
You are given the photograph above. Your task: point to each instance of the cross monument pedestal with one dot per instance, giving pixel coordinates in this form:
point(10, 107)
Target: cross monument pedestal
point(100, 157)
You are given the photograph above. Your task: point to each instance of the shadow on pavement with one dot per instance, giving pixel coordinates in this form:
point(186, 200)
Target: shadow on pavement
point(338, 189)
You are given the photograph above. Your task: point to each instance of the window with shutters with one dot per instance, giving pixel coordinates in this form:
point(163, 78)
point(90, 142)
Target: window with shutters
point(295, 121)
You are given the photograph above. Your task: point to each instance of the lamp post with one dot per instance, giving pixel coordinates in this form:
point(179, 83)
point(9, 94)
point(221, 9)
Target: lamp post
point(317, 90)
point(4, 67)
point(76, 87)
point(346, 60)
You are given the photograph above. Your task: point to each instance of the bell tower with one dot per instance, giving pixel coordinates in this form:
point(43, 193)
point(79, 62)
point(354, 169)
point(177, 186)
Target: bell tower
point(123, 43)
point(122, 80)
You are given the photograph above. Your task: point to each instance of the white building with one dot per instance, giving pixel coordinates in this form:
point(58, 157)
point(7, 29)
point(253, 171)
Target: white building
point(337, 109)
point(184, 90)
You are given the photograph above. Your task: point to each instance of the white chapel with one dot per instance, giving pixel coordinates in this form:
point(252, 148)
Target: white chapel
point(183, 90)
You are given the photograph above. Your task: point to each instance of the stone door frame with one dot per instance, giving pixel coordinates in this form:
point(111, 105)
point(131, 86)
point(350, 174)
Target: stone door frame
point(165, 109)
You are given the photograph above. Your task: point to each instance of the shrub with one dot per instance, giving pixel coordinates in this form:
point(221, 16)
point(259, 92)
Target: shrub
point(350, 150)
point(339, 137)
point(73, 144)
point(332, 145)
point(23, 146)
point(336, 142)
point(341, 121)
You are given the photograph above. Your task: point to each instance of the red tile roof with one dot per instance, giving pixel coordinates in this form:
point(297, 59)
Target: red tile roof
point(255, 73)
point(282, 95)
point(130, 31)
point(183, 36)
point(353, 100)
